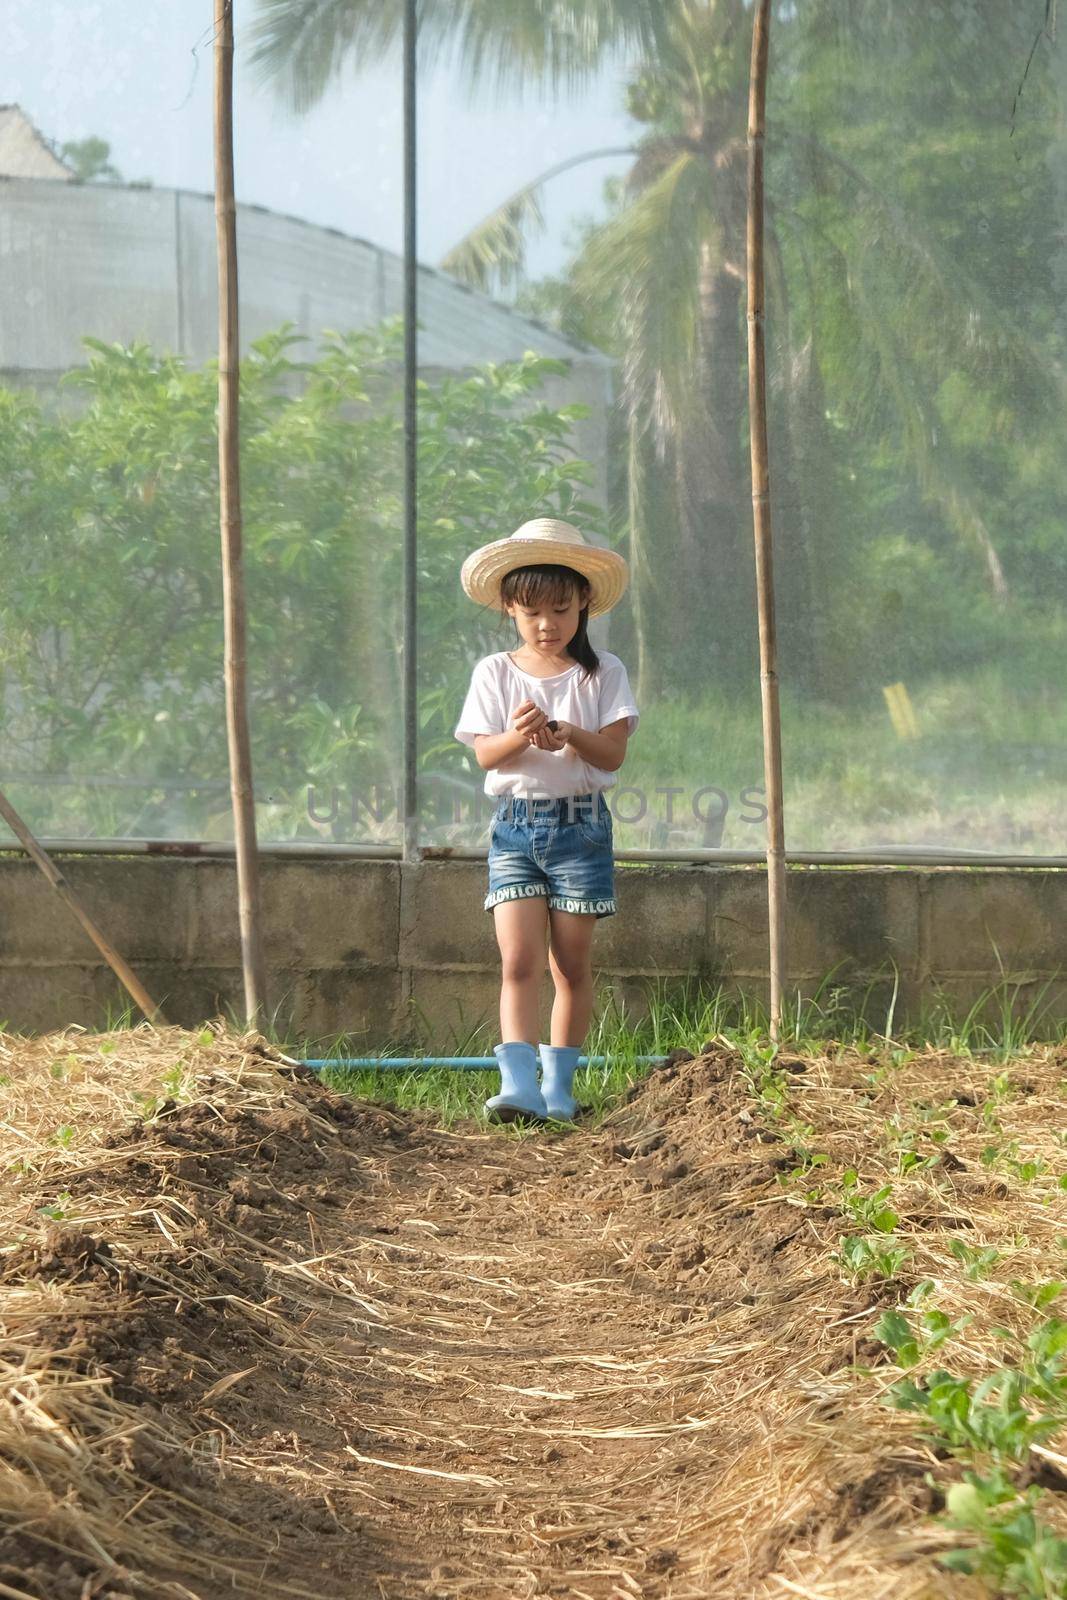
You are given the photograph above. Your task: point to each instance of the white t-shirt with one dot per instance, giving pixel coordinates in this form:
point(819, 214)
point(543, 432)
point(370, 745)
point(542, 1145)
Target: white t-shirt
point(497, 689)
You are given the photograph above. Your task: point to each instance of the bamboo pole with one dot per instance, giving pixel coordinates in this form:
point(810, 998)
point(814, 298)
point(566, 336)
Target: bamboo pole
point(761, 514)
point(233, 596)
point(125, 974)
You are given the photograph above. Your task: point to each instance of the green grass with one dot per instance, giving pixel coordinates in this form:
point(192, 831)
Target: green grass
point(1000, 1025)
point(985, 771)
point(682, 1013)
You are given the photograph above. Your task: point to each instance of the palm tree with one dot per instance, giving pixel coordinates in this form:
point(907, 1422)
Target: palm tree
point(305, 45)
point(670, 263)
point(672, 260)
point(680, 253)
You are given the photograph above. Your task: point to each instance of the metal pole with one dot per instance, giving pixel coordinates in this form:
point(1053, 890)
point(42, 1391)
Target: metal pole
point(761, 516)
point(411, 358)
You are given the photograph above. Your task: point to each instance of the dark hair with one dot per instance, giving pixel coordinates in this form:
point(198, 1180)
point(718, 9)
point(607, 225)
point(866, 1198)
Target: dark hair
point(550, 580)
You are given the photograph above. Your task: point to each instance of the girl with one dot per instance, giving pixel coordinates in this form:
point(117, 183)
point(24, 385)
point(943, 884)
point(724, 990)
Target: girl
point(548, 723)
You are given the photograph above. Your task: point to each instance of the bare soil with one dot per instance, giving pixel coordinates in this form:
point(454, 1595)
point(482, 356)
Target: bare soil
point(284, 1343)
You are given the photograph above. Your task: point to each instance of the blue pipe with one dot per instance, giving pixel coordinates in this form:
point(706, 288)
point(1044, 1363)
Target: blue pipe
point(459, 1063)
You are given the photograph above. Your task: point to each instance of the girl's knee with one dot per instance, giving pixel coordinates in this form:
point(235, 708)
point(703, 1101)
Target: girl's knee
point(522, 966)
point(571, 972)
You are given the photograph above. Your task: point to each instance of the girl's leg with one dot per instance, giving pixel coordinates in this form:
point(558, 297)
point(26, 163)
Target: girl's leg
point(570, 943)
point(520, 932)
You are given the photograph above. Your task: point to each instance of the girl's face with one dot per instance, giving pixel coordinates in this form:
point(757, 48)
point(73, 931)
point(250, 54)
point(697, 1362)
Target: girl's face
point(548, 626)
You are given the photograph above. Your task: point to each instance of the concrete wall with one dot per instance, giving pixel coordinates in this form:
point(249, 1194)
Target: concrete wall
point(365, 946)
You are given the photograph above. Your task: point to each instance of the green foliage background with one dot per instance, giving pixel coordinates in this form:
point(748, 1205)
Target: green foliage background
point(111, 620)
point(917, 351)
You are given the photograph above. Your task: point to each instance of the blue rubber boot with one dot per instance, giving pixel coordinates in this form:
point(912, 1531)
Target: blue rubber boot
point(558, 1063)
point(519, 1095)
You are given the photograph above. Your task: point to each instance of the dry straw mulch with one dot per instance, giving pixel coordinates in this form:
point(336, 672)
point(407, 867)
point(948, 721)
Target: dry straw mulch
point(258, 1339)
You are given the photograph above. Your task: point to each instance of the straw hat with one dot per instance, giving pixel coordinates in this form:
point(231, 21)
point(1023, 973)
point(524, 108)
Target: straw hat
point(545, 539)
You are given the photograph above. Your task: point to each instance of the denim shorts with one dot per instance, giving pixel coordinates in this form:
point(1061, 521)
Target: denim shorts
point(560, 848)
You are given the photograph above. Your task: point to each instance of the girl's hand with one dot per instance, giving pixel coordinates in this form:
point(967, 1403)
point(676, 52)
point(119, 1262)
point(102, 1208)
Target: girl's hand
point(529, 720)
point(548, 739)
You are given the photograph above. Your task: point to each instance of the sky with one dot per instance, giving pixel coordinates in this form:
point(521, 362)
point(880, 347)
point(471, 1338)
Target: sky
point(139, 74)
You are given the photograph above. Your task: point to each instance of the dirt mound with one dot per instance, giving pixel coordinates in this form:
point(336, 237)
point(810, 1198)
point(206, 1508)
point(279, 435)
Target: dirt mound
point(173, 1277)
point(692, 1168)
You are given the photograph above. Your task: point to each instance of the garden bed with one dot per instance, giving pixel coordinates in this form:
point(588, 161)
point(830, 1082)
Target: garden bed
point(260, 1338)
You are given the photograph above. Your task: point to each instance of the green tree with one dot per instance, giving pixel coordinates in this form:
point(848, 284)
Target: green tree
point(110, 631)
point(89, 159)
point(872, 292)
point(897, 351)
